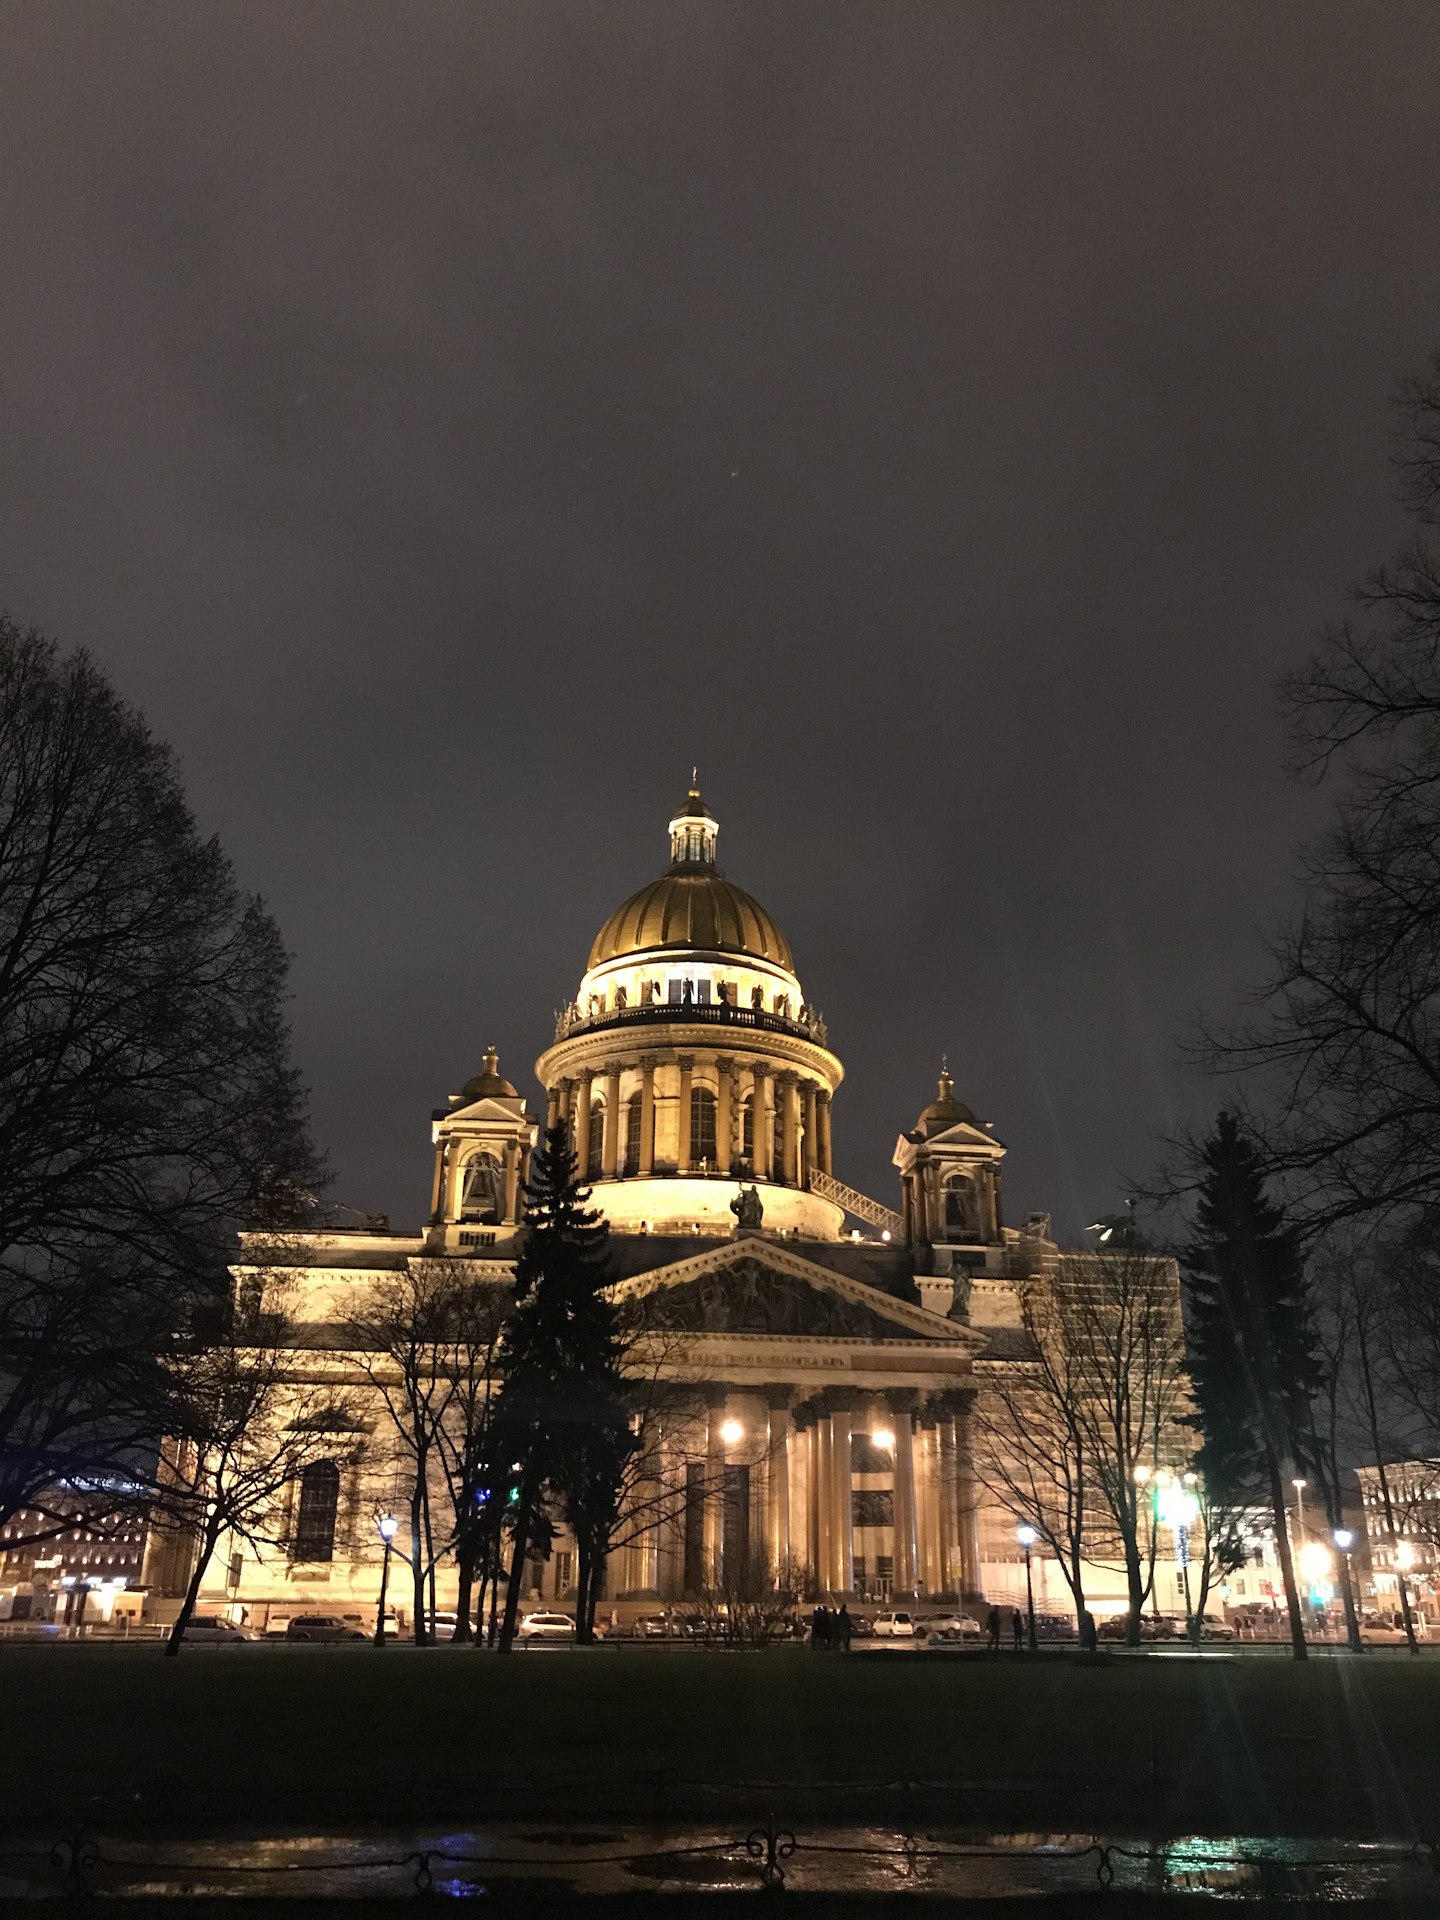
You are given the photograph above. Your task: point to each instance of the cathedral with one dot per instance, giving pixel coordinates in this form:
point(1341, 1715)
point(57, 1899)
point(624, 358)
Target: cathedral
point(826, 1351)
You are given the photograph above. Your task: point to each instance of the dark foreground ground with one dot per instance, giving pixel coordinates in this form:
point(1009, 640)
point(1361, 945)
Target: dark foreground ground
point(288, 1739)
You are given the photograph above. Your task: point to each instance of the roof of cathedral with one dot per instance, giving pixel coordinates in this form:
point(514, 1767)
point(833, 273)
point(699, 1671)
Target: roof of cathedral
point(692, 905)
point(489, 1084)
point(946, 1111)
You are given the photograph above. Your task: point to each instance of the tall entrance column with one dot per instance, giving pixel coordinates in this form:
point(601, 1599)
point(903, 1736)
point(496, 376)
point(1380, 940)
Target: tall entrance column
point(966, 1497)
point(927, 1505)
point(610, 1148)
point(820, 1496)
point(714, 1514)
point(648, 1064)
point(901, 1402)
point(811, 1143)
point(725, 1069)
point(760, 1130)
point(841, 1401)
point(777, 1479)
point(686, 1064)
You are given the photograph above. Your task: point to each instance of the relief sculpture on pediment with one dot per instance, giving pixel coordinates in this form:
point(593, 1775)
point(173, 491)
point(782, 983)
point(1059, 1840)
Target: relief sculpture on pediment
point(749, 1297)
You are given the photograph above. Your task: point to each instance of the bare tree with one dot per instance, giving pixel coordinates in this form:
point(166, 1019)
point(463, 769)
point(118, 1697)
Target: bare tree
point(401, 1338)
point(751, 1603)
point(470, 1354)
point(246, 1429)
point(147, 1102)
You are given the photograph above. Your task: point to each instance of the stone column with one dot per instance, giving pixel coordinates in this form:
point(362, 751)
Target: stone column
point(788, 1084)
point(966, 1498)
point(907, 1223)
point(802, 1498)
point(822, 1115)
point(901, 1401)
point(582, 1122)
point(821, 1498)
point(811, 1144)
point(437, 1185)
point(567, 1089)
point(686, 1064)
point(843, 1539)
point(714, 1518)
point(777, 1478)
point(927, 1508)
point(512, 1182)
point(647, 1547)
point(610, 1138)
point(726, 1071)
point(452, 1182)
point(919, 1213)
point(949, 1528)
point(648, 1064)
point(760, 1131)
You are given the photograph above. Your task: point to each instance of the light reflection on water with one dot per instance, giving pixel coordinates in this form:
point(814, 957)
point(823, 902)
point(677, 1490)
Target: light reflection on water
point(695, 1857)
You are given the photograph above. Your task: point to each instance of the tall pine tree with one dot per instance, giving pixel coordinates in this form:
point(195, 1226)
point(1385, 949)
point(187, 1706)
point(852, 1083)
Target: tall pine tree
point(559, 1417)
point(1251, 1350)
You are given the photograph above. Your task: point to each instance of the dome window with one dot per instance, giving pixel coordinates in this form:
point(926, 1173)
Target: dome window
point(595, 1140)
point(702, 1127)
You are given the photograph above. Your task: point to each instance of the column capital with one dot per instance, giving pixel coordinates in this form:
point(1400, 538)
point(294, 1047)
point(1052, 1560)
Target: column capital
point(585, 1074)
point(649, 1062)
point(841, 1399)
point(778, 1394)
point(954, 1401)
point(787, 1077)
point(761, 1069)
point(685, 1061)
point(902, 1399)
point(822, 1093)
point(612, 1069)
point(724, 1066)
point(716, 1394)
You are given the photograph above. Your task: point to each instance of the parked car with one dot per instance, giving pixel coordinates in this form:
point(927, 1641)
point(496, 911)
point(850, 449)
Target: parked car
point(1055, 1626)
point(1212, 1627)
point(546, 1626)
point(1152, 1627)
point(214, 1630)
point(950, 1626)
point(323, 1626)
point(1388, 1629)
point(654, 1626)
point(897, 1626)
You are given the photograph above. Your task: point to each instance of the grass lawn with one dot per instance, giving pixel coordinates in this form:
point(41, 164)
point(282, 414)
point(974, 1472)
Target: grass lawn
point(295, 1737)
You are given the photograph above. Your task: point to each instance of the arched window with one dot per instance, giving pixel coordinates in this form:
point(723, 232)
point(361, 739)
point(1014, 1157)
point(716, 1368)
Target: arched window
point(482, 1197)
point(777, 1140)
point(634, 1108)
point(747, 1129)
point(702, 1126)
point(596, 1141)
point(319, 1503)
point(962, 1208)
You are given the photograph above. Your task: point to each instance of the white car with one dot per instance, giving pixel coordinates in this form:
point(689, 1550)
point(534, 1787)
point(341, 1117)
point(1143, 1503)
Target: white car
point(1388, 1629)
point(951, 1626)
point(214, 1630)
point(546, 1626)
point(896, 1626)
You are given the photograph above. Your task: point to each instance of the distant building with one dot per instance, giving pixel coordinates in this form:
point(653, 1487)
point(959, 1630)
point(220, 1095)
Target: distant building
point(1403, 1543)
point(40, 1581)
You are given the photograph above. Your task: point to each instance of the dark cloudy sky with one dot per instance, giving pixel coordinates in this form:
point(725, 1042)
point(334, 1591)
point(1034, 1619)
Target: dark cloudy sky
point(940, 421)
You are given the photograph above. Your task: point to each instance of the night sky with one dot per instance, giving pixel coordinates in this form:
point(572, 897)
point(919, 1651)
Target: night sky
point(940, 422)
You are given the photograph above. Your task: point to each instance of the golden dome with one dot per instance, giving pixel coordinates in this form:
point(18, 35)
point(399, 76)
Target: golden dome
point(691, 906)
point(489, 1084)
point(945, 1112)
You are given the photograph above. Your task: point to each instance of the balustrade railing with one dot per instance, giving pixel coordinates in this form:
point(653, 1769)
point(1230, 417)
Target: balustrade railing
point(809, 1026)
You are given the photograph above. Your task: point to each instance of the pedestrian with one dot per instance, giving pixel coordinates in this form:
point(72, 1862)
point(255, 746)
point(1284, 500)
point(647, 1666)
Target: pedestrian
point(1017, 1627)
point(992, 1628)
point(842, 1627)
point(817, 1629)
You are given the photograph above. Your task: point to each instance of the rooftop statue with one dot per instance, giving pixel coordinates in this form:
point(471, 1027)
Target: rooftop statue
point(747, 1207)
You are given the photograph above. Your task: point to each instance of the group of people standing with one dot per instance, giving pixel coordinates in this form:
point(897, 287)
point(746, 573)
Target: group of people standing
point(829, 1629)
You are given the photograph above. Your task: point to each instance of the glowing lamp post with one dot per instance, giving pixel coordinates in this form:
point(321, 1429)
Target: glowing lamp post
point(1027, 1537)
point(1176, 1507)
point(388, 1527)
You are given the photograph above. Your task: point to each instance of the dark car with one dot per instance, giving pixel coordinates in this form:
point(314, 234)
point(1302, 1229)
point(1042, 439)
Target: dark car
point(323, 1626)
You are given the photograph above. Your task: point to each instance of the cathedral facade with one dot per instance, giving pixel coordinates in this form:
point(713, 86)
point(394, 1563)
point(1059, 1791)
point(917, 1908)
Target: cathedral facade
point(825, 1354)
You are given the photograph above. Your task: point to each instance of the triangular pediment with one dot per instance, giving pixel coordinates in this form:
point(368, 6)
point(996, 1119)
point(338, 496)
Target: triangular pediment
point(761, 1287)
point(491, 1108)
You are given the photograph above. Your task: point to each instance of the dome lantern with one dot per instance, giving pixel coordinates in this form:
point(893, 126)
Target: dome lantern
point(693, 832)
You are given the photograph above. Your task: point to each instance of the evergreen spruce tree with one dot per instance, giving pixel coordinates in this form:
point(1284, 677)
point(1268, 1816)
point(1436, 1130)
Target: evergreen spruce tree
point(1248, 1325)
point(559, 1427)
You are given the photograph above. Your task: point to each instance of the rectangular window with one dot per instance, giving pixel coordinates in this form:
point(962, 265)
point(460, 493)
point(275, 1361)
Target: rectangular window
point(563, 1575)
point(702, 992)
point(675, 990)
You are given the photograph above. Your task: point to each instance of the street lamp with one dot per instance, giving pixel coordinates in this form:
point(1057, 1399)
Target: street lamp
point(732, 1432)
point(388, 1527)
point(1027, 1537)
